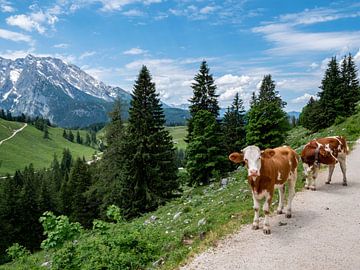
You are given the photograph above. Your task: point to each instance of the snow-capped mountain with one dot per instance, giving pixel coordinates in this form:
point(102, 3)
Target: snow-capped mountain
point(58, 91)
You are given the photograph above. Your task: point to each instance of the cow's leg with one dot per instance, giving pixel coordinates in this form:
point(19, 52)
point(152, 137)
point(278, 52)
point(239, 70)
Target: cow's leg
point(281, 199)
point(331, 170)
point(292, 183)
point(342, 161)
point(266, 209)
point(315, 170)
point(307, 173)
point(255, 224)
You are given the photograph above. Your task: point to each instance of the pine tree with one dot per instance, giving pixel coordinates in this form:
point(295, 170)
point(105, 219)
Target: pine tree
point(78, 138)
point(350, 92)
point(234, 126)
point(330, 94)
point(78, 184)
point(205, 156)
point(70, 136)
point(150, 169)
point(87, 139)
point(65, 134)
point(66, 161)
point(267, 122)
point(204, 95)
point(46, 132)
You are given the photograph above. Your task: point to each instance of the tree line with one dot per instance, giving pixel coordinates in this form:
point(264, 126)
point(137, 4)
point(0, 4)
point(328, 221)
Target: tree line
point(337, 98)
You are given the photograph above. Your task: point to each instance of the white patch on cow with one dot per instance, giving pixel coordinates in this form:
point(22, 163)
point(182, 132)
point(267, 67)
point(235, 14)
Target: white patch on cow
point(279, 176)
point(259, 196)
point(290, 163)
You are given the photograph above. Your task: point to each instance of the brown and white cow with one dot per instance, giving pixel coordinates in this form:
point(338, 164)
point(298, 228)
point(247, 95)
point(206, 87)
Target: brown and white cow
point(328, 151)
point(266, 170)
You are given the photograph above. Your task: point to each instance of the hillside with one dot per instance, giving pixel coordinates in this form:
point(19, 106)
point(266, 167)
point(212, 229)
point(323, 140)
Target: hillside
point(29, 146)
point(183, 227)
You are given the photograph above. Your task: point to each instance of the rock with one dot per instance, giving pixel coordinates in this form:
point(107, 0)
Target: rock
point(46, 264)
point(202, 222)
point(224, 182)
point(282, 223)
point(327, 208)
point(177, 215)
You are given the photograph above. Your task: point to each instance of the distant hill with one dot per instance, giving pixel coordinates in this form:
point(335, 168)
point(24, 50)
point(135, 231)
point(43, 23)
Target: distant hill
point(29, 146)
point(60, 92)
point(294, 113)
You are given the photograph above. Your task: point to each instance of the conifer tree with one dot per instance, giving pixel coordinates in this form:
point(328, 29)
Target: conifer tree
point(150, 169)
point(46, 132)
point(350, 92)
point(78, 138)
point(267, 122)
point(205, 155)
point(70, 136)
point(66, 161)
point(204, 95)
point(65, 134)
point(87, 139)
point(330, 94)
point(234, 126)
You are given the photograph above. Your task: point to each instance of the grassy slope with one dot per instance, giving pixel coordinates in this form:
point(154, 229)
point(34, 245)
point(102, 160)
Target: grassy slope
point(224, 210)
point(178, 133)
point(29, 146)
point(7, 128)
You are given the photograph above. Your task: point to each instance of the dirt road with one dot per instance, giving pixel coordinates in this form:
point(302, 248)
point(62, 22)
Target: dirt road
point(324, 232)
point(14, 133)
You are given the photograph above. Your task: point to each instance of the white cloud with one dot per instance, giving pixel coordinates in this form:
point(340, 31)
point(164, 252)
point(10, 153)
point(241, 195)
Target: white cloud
point(61, 46)
point(135, 51)
point(207, 10)
point(288, 38)
point(133, 13)
point(6, 6)
point(9, 54)
point(37, 21)
point(15, 36)
point(303, 99)
point(86, 54)
point(357, 58)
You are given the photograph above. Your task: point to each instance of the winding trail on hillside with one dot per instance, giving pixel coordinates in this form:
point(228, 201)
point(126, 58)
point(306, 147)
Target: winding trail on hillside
point(324, 232)
point(14, 133)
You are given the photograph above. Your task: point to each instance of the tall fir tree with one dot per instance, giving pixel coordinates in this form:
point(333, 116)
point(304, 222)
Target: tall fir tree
point(234, 126)
point(204, 95)
point(350, 91)
point(206, 157)
point(267, 121)
point(330, 94)
point(150, 174)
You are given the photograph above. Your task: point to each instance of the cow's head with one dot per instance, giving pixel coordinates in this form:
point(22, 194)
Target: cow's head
point(251, 156)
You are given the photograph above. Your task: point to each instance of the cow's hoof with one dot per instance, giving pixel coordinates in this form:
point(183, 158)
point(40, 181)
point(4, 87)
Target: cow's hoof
point(288, 215)
point(266, 231)
point(306, 186)
point(279, 212)
point(255, 227)
point(327, 182)
point(344, 184)
point(313, 188)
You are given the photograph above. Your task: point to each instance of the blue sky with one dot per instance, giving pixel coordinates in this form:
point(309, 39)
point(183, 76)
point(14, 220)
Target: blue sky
point(241, 40)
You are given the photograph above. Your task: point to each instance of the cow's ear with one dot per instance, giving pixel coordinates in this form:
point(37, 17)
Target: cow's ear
point(236, 157)
point(268, 153)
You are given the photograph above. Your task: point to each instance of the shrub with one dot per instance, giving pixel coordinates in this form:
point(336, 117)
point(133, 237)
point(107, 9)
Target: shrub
point(17, 251)
point(58, 229)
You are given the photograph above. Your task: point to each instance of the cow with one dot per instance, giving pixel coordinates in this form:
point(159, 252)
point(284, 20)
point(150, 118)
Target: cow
point(266, 170)
point(328, 151)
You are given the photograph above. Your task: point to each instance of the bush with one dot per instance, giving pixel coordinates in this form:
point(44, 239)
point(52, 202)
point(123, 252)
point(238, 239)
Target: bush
point(58, 229)
point(17, 251)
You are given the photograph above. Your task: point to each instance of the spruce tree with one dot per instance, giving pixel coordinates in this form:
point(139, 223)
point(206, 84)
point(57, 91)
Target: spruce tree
point(204, 95)
point(46, 132)
point(330, 94)
point(267, 122)
point(78, 138)
point(71, 136)
point(205, 155)
point(150, 168)
point(350, 92)
point(234, 126)
point(65, 134)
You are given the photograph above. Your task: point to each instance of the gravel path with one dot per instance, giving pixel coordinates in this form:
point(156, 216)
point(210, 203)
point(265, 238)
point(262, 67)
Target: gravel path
point(324, 232)
point(14, 133)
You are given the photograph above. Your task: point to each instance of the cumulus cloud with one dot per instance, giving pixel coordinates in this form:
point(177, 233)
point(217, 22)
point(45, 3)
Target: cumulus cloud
point(303, 99)
point(135, 51)
point(35, 21)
